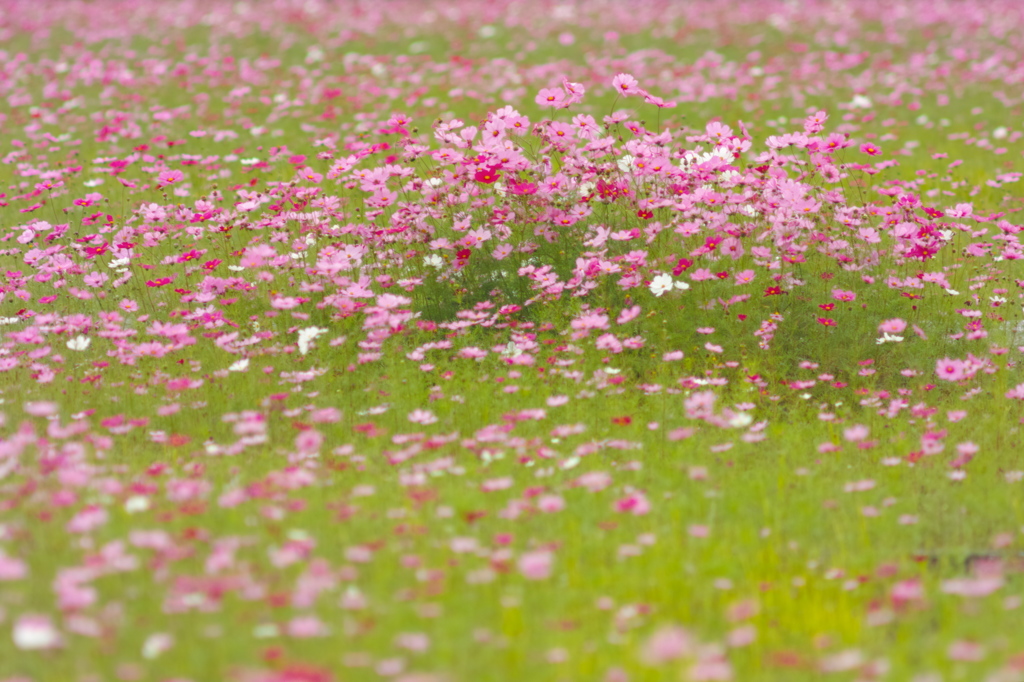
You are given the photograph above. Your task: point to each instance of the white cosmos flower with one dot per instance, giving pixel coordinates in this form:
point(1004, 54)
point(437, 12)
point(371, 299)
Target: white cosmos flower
point(79, 343)
point(511, 350)
point(239, 366)
point(156, 644)
point(952, 292)
point(740, 420)
point(661, 284)
point(888, 337)
point(136, 503)
point(664, 283)
point(860, 102)
point(306, 337)
point(35, 632)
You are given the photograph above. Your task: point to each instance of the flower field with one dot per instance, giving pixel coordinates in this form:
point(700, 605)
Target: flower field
point(518, 340)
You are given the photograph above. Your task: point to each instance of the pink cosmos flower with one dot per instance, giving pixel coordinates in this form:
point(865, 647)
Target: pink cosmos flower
point(422, 417)
point(717, 131)
point(960, 211)
point(550, 503)
point(628, 314)
point(893, 326)
point(745, 277)
point(302, 627)
point(841, 295)
point(536, 565)
point(907, 591)
point(950, 370)
point(574, 92)
point(635, 504)
point(549, 97)
point(855, 433)
point(169, 178)
point(625, 84)
point(12, 568)
point(963, 650)
point(668, 644)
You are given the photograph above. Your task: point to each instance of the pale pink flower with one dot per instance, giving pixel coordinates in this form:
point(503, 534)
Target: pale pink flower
point(855, 433)
point(418, 416)
point(667, 644)
point(893, 326)
point(536, 565)
point(170, 177)
point(709, 668)
point(87, 519)
point(302, 627)
point(628, 314)
point(41, 408)
point(550, 503)
point(741, 636)
point(549, 97)
point(12, 568)
point(962, 650)
point(907, 591)
point(745, 277)
point(841, 295)
point(625, 84)
point(950, 370)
